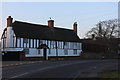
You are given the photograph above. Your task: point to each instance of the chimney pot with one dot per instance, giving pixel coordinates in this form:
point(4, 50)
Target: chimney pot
point(9, 21)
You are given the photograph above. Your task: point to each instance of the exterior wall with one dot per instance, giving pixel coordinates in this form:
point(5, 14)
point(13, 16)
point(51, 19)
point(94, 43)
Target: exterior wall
point(29, 46)
point(0, 44)
point(12, 49)
point(9, 38)
point(51, 52)
point(3, 39)
point(34, 53)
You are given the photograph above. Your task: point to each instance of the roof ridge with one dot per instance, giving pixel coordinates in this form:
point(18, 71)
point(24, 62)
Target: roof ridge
point(30, 23)
point(42, 25)
point(63, 28)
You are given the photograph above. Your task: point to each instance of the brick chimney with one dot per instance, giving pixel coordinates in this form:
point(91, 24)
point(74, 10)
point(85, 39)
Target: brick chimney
point(51, 23)
point(9, 21)
point(9, 32)
point(75, 27)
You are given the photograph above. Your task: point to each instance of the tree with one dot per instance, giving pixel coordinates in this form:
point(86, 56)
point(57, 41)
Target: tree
point(107, 33)
point(106, 29)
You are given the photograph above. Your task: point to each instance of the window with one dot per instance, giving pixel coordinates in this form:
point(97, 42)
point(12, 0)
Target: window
point(49, 51)
point(38, 51)
point(75, 44)
point(41, 42)
point(32, 43)
point(52, 44)
point(75, 51)
point(79, 45)
point(19, 42)
point(38, 42)
point(59, 45)
point(29, 43)
point(25, 40)
point(65, 43)
point(62, 45)
point(66, 52)
point(48, 43)
point(56, 45)
point(68, 45)
point(35, 43)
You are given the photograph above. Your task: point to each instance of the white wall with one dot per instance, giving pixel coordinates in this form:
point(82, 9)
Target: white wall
point(9, 39)
point(12, 49)
point(0, 44)
point(33, 52)
point(51, 52)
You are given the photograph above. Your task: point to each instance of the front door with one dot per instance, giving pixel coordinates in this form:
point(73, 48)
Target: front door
point(44, 47)
point(45, 53)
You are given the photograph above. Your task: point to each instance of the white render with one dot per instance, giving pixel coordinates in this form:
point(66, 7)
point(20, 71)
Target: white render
point(34, 53)
point(12, 49)
point(9, 38)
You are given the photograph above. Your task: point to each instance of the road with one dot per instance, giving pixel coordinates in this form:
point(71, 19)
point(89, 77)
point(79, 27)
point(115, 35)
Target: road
point(59, 69)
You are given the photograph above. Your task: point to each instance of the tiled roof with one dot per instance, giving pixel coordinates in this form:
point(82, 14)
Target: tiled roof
point(43, 32)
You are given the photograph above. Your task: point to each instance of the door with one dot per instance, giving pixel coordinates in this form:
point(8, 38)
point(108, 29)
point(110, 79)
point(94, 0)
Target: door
point(45, 53)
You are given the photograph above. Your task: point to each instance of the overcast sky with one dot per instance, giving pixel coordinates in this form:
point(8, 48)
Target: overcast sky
point(86, 14)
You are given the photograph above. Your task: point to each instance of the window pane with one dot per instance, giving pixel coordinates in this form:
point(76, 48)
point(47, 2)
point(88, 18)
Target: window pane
point(66, 52)
point(75, 51)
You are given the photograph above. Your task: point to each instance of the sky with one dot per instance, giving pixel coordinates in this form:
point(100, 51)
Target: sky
point(64, 14)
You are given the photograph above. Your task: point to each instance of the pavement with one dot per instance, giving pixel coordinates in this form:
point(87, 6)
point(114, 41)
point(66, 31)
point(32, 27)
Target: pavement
point(17, 63)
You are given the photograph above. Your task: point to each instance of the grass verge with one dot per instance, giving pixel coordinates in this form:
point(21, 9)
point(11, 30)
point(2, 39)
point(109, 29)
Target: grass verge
point(111, 74)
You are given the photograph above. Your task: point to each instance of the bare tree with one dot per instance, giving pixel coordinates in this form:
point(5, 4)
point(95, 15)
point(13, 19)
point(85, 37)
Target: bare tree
point(106, 29)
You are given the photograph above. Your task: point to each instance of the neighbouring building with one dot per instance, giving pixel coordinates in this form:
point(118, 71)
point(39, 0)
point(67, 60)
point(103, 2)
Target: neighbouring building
point(98, 47)
point(22, 41)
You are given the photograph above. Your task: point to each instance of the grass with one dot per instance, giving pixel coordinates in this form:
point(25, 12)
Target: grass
point(111, 74)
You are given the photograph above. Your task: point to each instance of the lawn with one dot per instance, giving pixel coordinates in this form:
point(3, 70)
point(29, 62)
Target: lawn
point(111, 74)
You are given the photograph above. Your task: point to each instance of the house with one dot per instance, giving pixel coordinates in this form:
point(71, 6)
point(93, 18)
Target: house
point(23, 41)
